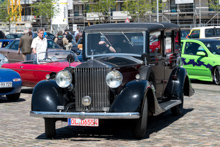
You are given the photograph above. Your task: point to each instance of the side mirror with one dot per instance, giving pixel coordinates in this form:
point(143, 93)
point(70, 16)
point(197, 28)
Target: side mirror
point(70, 58)
point(145, 57)
point(200, 53)
point(80, 46)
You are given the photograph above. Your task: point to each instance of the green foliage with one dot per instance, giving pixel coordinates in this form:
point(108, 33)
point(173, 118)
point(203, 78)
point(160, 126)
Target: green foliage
point(46, 9)
point(101, 6)
point(138, 8)
point(213, 4)
point(4, 15)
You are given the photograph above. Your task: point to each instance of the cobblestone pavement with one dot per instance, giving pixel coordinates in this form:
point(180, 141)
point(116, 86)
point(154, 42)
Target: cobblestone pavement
point(199, 125)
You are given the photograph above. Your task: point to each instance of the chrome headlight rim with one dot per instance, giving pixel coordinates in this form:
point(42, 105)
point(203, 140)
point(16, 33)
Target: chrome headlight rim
point(116, 81)
point(63, 78)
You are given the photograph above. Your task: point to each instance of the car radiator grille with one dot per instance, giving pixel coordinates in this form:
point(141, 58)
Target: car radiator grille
point(91, 82)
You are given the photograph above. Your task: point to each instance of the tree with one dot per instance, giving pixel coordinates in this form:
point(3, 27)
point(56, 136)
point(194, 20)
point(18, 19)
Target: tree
point(138, 8)
point(214, 4)
point(101, 7)
point(9, 13)
point(45, 9)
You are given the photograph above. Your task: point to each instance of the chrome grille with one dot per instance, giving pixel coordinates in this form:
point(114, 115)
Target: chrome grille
point(91, 82)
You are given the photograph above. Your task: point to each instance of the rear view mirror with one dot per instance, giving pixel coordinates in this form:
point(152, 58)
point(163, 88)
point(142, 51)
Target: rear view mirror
point(200, 53)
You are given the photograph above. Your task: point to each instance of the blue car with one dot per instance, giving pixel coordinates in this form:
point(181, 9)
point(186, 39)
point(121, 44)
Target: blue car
point(10, 84)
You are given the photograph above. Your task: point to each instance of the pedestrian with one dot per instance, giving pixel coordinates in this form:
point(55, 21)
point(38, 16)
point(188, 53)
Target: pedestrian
point(45, 33)
point(30, 34)
point(60, 40)
point(25, 46)
point(30, 30)
point(78, 36)
point(77, 31)
point(70, 39)
point(39, 44)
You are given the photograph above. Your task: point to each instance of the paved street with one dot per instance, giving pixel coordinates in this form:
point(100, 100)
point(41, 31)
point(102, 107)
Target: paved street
point(199, 126)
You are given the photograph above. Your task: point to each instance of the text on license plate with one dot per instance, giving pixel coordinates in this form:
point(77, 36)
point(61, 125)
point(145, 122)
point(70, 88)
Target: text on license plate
point(5, 84)
point(83, 122)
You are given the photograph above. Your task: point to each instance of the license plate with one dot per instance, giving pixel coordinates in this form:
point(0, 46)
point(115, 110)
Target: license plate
point(5, 84)
point(83, 122)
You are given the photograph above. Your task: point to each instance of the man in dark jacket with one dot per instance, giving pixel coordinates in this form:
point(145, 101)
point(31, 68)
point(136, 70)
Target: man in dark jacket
point(25, 46)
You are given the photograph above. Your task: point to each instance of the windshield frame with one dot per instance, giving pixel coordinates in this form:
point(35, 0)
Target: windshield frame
point(114, 54)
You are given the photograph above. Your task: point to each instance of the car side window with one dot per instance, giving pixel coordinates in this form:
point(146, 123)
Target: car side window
point(14, 46)
point(155, 39)
point(209, 32)
point(195, 34)
point(191, 48)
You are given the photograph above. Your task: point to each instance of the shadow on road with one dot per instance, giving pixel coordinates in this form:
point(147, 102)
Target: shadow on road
point(5, 100)
point(114, 129)
point(202, 82)
point(27, 90)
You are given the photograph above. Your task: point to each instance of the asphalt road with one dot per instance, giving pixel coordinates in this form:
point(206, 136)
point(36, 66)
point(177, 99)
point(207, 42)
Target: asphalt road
point(198, 126)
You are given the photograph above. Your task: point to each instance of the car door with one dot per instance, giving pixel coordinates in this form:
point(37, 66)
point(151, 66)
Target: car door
point(28, 73)
point(196, 66)
point(12, 52)
point(156, 63)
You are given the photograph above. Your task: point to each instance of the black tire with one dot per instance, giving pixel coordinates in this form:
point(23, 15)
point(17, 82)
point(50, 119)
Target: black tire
point(216, 75)
point(13, 97)
point(178, 110)
point(50, 127)
point(140, 127)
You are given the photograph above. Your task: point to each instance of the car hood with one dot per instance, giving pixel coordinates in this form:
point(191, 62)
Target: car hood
point(113, 62)
point(8, 74)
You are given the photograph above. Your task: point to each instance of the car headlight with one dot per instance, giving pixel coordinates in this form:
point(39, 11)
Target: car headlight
point(114, 79)
point(63, 78)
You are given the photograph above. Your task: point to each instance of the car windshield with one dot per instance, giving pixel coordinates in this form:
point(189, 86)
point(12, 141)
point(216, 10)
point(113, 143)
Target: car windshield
point(214, 47)
point(54, 56)
point(102, 43)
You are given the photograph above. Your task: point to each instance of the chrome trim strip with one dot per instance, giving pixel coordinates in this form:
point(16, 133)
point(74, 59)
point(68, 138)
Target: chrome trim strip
point(82, 115)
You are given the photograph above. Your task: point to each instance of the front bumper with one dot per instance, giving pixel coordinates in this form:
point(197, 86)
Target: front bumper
point(83, 115)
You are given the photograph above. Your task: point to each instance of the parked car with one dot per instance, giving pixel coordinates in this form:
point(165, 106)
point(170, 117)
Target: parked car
point(11, 50)
point(14, 36)
point(50, 36)
point(33, 71)
point(3, 60)
point(2, 35)
point(210, 32)
point(10, 84)
point(184, 33)
point(201, 59)
point(131, 83)
point(5, 42)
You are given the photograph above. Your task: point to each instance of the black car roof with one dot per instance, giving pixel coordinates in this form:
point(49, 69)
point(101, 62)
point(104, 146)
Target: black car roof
point(131, 26)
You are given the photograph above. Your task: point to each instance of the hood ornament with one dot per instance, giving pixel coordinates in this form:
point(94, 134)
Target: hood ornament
point(92, 51)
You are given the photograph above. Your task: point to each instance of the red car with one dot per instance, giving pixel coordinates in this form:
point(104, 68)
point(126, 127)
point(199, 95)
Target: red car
point(33, 71)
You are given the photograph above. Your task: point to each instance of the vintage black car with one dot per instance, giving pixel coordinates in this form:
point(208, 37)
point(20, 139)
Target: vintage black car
point(121, 78)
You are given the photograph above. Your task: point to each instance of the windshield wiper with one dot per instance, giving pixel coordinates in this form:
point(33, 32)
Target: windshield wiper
point(106, 39)
point(127, 39)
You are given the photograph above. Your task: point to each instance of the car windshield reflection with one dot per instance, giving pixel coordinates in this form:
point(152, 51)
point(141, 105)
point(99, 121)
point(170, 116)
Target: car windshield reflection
point(101, 43)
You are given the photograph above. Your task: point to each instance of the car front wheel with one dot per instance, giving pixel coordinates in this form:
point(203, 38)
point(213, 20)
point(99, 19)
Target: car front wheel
point(216, 75)
point(140, 127)
point(50, 127)
point(13, 97)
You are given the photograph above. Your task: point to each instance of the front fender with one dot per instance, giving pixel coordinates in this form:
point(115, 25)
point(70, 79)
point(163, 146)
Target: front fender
point(178, 83)
point(131, 97)
point(47, 95)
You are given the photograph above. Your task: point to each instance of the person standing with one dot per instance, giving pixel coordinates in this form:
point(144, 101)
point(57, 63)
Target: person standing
point(39, 44)
point(77, 31)
point(25, 45)
point(60, 40)
point(45, 33)
point(78, 36)
point(30, 30)
point(70, 39)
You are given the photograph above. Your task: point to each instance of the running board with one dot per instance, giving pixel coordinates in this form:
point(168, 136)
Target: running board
point(162, 107)
point(169, 104)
